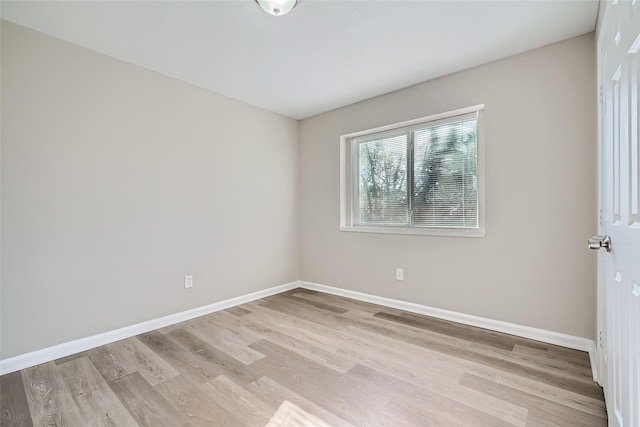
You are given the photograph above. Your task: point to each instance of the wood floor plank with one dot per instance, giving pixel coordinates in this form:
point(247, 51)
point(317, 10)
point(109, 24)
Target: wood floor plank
point(315, 353)
point(289, 415)
point(227, 365)
point(331, 308)
point(546, 409)
point(345, 303)
point(71, 357)
point(140, 358)
point(544, 359)
point(473, 334)
point(233, 325)
point(194, 368)
point(275, 394)
point(360, 394)
point(338, 384)
point(96, 402)
point(418, 375)
point(122, 358)
point(546, 354)
point(393, 361)
point(541, 363)
point(357, 315)
point(530, 384)
point(541, 419)
point(568, 398)
point(238, 311)
point(428, 402)
point(237, 400)
point(579, 386)
point(197, 405)
point(364, 350)
point(14, 409)
point(109, 364)
point(227, 341)
point(188, 340)
point(145, 404)
point(179, 326)
point(304, 358)
point(303, 291)
point(49, 399)
point(468, 333)
point(438, 413)
point(558, 378)
point(310, 387)
point(420, 366)
point(309, 313)
point(568, 352)
point(528, 357)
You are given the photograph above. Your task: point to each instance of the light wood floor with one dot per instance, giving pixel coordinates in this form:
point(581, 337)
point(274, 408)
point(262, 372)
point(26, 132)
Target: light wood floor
point(304, 358)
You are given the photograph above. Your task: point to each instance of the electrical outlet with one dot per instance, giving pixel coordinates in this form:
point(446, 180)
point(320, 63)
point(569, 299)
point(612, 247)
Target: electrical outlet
point(399, 274)
point(188, 281)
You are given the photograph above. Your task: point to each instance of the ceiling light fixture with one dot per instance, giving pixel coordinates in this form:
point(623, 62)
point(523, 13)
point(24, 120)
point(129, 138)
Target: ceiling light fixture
point(277, 7)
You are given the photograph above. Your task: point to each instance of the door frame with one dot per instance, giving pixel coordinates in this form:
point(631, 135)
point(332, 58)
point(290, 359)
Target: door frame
point(600, 370)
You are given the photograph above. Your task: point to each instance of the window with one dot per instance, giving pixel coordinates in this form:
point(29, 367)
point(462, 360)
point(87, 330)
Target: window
point(417, 177)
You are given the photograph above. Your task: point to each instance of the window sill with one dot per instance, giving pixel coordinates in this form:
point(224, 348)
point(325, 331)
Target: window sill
point(443, 232)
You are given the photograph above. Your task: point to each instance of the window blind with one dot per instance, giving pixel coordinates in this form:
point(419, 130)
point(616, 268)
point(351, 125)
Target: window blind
point(422, 176)
point(445, 167)
point(382, 180)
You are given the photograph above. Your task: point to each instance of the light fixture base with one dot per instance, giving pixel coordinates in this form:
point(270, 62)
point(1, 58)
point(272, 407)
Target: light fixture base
point(277, 7)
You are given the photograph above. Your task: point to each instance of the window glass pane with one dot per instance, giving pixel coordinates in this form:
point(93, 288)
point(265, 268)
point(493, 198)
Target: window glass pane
point(382, 180)
point(445, 193)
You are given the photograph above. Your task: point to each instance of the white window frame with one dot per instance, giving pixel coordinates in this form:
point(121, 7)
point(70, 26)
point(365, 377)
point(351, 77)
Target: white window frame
point(348, 180)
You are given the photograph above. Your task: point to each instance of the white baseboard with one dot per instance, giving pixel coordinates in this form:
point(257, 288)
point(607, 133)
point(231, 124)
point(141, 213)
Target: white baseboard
point(542, 335)
point(593, 359)
point(65, 349)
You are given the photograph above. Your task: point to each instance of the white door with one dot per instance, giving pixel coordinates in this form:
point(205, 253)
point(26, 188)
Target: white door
point(619, 79)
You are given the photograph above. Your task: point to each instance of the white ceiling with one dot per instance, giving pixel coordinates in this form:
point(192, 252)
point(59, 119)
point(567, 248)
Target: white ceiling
point(323, 55)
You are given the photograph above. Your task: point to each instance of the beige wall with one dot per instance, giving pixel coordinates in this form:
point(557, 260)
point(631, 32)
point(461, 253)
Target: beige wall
point(532, 268)
point(117, 181)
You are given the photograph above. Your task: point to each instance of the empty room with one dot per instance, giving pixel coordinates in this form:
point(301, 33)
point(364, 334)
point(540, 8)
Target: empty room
point(320, 213)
